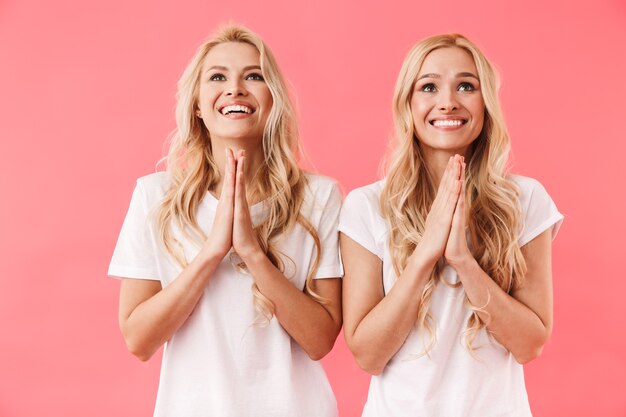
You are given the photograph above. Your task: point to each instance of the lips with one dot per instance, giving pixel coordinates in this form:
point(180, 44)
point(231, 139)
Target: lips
point(236, 108)
point(448, 122)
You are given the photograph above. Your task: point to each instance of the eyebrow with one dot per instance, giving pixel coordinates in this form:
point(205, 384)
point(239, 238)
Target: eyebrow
point(222, 68)
point(459, 75)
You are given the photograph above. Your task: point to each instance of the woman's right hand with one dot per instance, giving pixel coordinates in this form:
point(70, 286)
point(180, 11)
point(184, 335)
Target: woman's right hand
point(220, 239)
point(439, 219)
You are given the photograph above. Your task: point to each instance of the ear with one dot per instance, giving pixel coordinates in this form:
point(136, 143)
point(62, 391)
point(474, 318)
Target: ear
point(198, 113)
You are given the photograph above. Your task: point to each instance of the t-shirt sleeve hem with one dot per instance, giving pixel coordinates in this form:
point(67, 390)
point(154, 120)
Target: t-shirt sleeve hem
point(333, 271)
point(120, 271)
point(346, 230)
point(553, 221)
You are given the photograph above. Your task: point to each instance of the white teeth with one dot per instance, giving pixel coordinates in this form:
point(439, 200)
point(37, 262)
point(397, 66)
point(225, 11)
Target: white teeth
point(236, 108)
point(444, 123)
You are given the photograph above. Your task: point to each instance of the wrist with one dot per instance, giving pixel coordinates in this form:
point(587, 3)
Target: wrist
point(252, 256)
point(463, 263)
point(422, 261)
point(209, 255)
point(424, 257)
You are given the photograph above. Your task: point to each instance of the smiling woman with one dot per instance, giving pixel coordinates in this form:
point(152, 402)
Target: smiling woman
point(447, 286)
point(447, 105)
point(230, 257)
point(234, 101)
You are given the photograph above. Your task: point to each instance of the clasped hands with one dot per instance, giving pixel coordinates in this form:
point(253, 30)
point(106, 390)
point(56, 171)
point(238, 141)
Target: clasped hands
point(232, 226)
point(444, 233)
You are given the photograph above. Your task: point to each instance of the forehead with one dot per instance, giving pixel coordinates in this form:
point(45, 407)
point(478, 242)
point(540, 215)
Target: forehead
point(448, 60)
point(232, 55)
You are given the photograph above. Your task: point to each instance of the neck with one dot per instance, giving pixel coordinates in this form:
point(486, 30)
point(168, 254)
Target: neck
point(254, 161)
point(437, 160)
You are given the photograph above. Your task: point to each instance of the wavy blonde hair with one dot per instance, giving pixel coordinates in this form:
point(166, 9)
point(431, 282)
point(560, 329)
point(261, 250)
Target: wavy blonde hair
point(193, 171)
point(492, 200)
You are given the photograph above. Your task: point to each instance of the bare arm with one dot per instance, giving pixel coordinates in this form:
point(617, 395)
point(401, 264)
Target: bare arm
point(150, 315)
point(376, 325)
point(313, 325)
point(522, 321)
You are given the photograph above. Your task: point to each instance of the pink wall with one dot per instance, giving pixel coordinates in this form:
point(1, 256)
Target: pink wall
point(86, 101)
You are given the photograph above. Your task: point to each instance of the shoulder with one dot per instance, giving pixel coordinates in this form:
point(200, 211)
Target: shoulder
point(364, 203)
point(526, 184)
point(322, 188)
point(368, 195)
point(153, 186)
point(361, 219)
point(529, 188)
point(159, 179)
point(538, 210)
point(320, 182)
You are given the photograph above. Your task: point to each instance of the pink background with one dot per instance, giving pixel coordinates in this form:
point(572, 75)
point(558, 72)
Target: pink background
point(87, 99)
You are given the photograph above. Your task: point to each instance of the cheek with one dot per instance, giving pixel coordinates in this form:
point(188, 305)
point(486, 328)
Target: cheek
point(477, 107)
point(267, 100)
point(416, 110)
point(479, 114)
point(206, 100)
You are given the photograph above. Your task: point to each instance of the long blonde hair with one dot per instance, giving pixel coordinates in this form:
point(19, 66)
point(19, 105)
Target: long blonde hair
point(494, 214)
point(193, 171)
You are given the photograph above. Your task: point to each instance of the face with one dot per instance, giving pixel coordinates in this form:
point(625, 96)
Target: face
point(234, 100)
point(447, 104)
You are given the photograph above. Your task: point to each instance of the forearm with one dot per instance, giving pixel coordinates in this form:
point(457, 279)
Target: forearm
point(308, 322)
point(153, 322)
point(382, 332)
point(513, 324)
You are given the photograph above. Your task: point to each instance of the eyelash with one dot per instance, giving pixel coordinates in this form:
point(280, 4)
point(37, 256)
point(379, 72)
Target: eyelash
point(466, 86)
point(431, 88)
point(257, 77)
point(252, 77)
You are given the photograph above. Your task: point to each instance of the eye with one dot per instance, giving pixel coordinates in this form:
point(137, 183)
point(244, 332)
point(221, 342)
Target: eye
point(217, 77)
point(466, 87)
point(428, 88)
point(255, 76)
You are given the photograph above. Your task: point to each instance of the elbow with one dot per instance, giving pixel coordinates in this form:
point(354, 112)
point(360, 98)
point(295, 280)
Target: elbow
point(317, 355)
point(366, 361)
point(369, 366)
point(141, 354)
point(533, 350)
point(138, 350)
point(529, 355)
point(135, 346)
point(320, 351)
point(324, 344)
point(364, 356)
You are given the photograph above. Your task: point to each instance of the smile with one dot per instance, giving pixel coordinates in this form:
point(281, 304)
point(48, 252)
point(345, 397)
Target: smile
point(448, 122)
point(236, 109)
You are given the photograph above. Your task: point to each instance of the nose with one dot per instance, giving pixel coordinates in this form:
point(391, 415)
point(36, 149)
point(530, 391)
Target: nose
point(447, 100)
point(235, 88)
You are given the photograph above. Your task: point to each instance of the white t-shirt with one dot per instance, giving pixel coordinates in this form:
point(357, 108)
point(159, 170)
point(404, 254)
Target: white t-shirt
point(451, 383)
point(219, 363)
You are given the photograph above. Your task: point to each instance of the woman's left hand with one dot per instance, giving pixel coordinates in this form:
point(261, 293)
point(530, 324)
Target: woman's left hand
point(245, 241)
point(457, 250)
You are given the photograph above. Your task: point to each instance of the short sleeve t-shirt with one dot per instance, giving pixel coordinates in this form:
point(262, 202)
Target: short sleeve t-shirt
point(452, 382)
point(222, 361)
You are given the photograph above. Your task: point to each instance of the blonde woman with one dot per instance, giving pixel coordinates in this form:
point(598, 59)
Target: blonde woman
point(222, 256)
point(447, 287)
